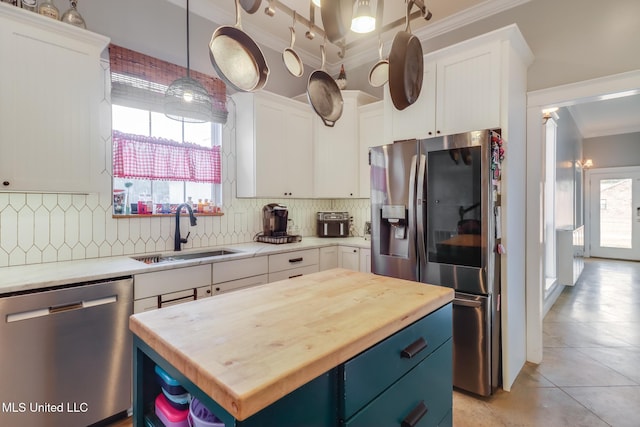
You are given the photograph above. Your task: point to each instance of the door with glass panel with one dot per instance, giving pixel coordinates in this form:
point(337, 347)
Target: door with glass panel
point(614, 211)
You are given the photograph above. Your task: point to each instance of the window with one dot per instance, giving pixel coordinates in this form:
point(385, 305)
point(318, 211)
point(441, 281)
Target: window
point(159, 161)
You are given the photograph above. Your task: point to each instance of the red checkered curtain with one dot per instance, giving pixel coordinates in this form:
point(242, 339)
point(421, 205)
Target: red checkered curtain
point(145, 157)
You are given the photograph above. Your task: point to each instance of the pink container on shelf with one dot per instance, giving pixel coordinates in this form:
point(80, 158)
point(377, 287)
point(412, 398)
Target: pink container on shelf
point(170, 416)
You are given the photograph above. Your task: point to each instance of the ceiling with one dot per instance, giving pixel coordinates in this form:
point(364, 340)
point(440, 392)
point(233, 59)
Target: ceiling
point(273, 32)
point(594, 118)
point(618, 115)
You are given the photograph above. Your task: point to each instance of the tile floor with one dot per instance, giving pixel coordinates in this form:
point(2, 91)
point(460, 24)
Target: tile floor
point(590, 375)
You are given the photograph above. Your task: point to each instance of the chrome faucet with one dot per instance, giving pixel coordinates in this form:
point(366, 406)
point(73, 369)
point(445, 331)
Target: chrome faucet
point(177, 239)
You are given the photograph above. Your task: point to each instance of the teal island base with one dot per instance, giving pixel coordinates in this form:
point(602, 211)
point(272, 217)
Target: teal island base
point(404, 380)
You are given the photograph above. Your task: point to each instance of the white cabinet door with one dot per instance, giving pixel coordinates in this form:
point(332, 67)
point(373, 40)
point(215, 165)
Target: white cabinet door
point(468, 90)
point(336, 154)
point(328, 257)
point(52, 85)
point(365, 260)
point(274, 143)
point(349, 257)
point(336, 150)
point(417, 120)
point(371, 123)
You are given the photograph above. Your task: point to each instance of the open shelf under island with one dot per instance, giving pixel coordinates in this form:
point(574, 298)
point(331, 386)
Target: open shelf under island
point(334, 348)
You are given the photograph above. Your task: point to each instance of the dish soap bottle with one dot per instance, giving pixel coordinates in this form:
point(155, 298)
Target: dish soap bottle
point(71, 16)
point(47, 8)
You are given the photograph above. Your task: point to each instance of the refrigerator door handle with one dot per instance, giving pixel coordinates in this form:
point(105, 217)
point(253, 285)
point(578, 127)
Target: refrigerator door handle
point(412, 206)
point(420, 212)
point(466, 302)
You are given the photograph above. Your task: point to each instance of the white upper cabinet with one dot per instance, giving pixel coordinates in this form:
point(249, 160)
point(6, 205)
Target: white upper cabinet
point(274, 146)
point(468, 90)
point(371, 123)
point(465, 87)
point(418, 120)
point(51, 84)
point(336, 150)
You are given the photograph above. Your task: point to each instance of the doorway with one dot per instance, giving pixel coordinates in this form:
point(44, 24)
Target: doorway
point(614, 213)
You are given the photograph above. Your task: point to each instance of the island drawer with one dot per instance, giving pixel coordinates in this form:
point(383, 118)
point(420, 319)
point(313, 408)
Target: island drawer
point(392, 358)
point(290, 260)
point(422, 397)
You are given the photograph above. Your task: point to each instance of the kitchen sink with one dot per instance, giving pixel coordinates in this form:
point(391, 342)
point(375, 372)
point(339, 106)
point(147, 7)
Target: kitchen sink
point(154, 259)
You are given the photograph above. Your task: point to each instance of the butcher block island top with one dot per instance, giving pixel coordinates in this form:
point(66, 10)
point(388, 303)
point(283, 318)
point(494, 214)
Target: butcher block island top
point(249, 348)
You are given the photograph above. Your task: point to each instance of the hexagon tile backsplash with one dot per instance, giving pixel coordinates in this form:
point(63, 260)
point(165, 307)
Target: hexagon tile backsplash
point(39, 228)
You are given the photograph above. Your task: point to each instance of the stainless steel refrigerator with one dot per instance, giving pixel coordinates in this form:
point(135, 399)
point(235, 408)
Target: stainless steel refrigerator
point(435, 219)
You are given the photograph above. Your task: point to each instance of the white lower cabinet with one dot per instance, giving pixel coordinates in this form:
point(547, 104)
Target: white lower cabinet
point(365, 260)
point(292, 264)
point(170, 287)
point(237, 274)
point(173, 298)
point(349, 258)
point(328, 257)
point(352, 258)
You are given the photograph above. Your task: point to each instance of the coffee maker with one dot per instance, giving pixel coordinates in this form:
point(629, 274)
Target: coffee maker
point(274, 217)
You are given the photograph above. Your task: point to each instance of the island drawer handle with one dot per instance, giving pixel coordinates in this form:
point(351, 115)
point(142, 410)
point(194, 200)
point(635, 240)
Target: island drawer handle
point(415, 415)
point(292, 260)
point(414, 348)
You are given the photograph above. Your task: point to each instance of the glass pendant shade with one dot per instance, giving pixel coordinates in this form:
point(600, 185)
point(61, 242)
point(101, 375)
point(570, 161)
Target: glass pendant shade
point(363, 21)
point(186, 99)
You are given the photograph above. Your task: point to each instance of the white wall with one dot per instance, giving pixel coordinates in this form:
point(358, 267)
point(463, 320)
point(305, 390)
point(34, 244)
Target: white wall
point(613, 151)
point(568, 151)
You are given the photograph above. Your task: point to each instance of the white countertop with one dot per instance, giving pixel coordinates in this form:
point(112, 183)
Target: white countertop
point(38, 276)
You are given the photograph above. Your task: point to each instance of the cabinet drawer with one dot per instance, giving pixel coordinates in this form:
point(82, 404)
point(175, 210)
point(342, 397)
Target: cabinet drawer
point(167, 281)
point(238, 269)
point(166, 300)
point(426, 389)
point(234, 285)
point(289, 274)
point(389, 363)
point(291, 260)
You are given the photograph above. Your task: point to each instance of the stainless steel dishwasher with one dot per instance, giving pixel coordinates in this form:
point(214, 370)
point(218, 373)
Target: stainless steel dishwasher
point(65, 356)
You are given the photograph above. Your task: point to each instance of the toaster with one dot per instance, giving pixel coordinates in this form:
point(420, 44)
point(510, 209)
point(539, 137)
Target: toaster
point(333, 224)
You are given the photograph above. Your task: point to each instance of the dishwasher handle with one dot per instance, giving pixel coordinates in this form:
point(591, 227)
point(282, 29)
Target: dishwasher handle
point(60, 308)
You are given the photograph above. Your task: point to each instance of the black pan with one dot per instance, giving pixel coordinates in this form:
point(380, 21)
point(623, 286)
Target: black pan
point(236, 58)
point(405, 67)
point(336, 18)
point(324, 95)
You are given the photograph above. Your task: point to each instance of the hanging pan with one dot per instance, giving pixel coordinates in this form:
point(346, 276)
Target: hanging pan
point(291, 59)
point(324, 95)
point(379, 74)
point(336, 18)
point(236, 58)
point(405, 66)
point(250, 6)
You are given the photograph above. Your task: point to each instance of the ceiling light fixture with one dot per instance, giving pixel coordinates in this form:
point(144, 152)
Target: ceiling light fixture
point(363, 21)
point(186, 99)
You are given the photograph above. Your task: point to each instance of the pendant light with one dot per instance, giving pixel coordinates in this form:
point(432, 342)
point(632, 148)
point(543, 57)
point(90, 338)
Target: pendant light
point(186, 99)
point(363, 21)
